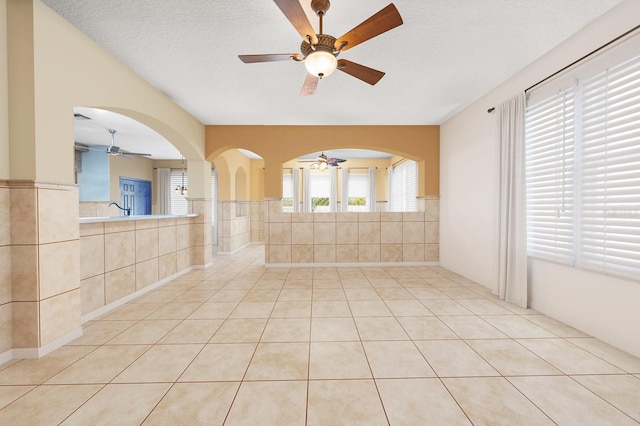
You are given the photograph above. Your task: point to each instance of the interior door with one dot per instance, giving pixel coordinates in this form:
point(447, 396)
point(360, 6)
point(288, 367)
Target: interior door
point(135, 194)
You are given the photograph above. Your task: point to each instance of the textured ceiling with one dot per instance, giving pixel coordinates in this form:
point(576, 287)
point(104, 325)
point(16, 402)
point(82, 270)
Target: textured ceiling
point(446, 55)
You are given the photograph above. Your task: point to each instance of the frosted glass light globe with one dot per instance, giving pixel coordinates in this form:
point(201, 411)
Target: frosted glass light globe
point(321, 63)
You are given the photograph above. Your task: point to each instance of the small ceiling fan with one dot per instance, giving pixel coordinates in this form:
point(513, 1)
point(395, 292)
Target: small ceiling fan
point(319, 51)
point(115, 150)
point(112, 149)
point(322, 162)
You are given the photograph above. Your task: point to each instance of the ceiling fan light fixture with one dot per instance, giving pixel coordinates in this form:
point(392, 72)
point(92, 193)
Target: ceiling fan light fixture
point(321, 63)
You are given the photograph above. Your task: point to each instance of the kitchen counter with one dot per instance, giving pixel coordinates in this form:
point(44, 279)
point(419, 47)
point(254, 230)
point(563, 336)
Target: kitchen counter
point(141, 217)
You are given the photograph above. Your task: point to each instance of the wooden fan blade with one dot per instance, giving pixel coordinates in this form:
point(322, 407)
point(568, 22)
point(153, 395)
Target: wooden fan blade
point(249, 59)
point(366, 74)
point(133, 153)
point(386, 19)
point(310, 85)
point(294, 12)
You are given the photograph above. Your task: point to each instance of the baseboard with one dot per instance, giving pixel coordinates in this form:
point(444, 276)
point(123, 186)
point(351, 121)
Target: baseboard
point(113, 305)
point(203, 266)
point(229, 253)
point(347, 264)
point(6, 356)
point(31, 353)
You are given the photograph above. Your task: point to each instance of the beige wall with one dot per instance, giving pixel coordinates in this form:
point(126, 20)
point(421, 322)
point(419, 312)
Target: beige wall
point(228, 163)
point(49, 68)
point(257, 180)
point(4, 94)
point(55, 68)
point(597, 304)
point(20, 46)
point(131, 167)
point(279, 144)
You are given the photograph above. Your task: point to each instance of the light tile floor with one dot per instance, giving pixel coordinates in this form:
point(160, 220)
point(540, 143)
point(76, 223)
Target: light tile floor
point(241, 344)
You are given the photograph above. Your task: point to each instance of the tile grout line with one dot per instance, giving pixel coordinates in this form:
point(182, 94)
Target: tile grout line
point(242, 380)
point(373, 378)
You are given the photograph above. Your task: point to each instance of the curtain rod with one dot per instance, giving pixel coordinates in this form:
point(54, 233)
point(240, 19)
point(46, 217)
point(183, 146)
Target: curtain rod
point(400, 160)
point(621, 36)
point(583, 58)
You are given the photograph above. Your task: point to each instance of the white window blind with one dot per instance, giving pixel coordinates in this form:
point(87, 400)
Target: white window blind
point(320, 191)
point(549, 177)
point(178, 202)
point(214, 198)
point(287, 193)
point(610, 231)
point(358, 189)
point(404, 185)
point(583, 165)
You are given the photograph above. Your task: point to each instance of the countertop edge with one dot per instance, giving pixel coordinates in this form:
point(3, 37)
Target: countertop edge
point(127, 218)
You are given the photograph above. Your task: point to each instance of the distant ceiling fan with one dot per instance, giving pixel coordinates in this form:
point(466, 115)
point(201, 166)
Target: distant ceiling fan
point(322, 162)
point(319, 51)
point(112, 149)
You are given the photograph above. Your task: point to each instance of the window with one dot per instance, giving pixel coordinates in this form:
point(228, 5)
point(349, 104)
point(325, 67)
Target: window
point(214, 205)
point(287, 193)
point(178, 202)
point(583, 165)
point(358, 191)
point(404, 187)
point(320, 192)
point(549, 175)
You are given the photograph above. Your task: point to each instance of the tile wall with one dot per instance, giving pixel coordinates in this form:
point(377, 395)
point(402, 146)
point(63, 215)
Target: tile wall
point(201, 235)
point(98, 209)
point(234, 225)
point(6, 329)
point(257, 221)
point(381, 237)
point(122, 257)
point(39, 270)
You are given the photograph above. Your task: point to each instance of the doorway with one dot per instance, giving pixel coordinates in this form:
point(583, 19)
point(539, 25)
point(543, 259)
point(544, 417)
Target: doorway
point(135, 194)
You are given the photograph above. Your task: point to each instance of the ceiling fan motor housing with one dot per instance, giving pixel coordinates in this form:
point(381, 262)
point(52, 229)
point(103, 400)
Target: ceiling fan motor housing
point(112, 149)
point(325, 43)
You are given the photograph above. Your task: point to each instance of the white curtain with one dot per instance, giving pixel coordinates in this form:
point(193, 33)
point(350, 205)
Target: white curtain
point(163, 179)
point(344, 192)
point(389, 188)
point(306, 191)
point(296, 190)
point(333, 198)
point(513, 285)
point(372, 189)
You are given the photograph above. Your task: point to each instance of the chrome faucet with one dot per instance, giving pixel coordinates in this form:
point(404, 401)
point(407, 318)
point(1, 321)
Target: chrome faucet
point(127, 211)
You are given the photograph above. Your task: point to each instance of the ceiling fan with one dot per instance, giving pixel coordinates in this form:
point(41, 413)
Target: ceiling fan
point(319, 51)
point(322, 162)
point(112, 149)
